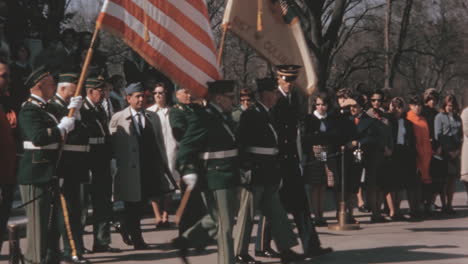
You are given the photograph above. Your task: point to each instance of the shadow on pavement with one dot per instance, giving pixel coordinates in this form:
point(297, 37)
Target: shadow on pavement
point(142, 256)
point(438, 229)
point(396, 254)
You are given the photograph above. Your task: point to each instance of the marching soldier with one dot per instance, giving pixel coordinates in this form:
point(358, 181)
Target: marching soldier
point(73, 163)
point(286, 115)
point(258, 143)
point(208, 152)
point(42, 135)
point(178, 119)
point(95, 119)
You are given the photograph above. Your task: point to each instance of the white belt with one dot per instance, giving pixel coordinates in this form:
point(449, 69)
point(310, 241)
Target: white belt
point(76, 148)
point(30, 145)
point(97, 140)
point(219, 154)
point(262, 151)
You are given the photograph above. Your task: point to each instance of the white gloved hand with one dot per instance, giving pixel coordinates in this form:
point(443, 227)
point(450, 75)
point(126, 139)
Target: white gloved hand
point(76, 102)
point(67, 124)
point(246, 177)
point(190, 180)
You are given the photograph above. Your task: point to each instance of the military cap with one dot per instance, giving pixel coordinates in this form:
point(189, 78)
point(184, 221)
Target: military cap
point(134, 88)
point(266, 85)
point(68, 77)
point(288, 72)
point(94, 83)
point(221, 86)
point(37, 75)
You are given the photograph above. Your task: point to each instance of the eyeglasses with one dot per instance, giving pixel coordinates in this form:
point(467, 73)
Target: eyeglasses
point(158, 93)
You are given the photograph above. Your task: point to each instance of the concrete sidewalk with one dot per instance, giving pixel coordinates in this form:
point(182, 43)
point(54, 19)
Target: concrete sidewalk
point(439, 240)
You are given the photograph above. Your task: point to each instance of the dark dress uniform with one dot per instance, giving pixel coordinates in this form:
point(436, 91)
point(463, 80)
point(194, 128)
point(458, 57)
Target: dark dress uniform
point(95, 120)
point(293, 196)
point(258, 144)
point(37, 169)
point(195, 210)
point(209, 149)
point(73, 169)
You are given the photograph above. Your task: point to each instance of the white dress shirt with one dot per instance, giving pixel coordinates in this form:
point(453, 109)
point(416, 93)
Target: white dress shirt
point(169, 141)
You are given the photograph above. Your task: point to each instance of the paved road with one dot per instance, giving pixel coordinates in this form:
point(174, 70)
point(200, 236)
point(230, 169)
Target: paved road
point(440, 240)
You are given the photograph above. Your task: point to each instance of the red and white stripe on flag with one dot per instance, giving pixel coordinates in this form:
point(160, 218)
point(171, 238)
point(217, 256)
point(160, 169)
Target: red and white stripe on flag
point(180, 43)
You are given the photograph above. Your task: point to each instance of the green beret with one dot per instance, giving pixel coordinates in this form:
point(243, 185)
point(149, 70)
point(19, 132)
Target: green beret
point(68, 77)
point(37, 75)
point(94, 83)
point(266, 85)
point(221, 86)
point(288, 72)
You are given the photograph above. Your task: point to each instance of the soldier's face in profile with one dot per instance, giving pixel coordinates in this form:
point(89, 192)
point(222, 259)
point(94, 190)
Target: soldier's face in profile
point(285, 85)
point(47, 85)
point(68, 90)
point(135, 100)
point(96, 95)
point(184, 96)
point(225, 101)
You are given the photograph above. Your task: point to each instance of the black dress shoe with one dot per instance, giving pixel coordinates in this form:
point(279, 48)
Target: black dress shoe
point(363, 209)
point(267, 253)
point(105, 248)
point(124, 234)
point(246, 259)
point(76, 260)
point(378, 219)
point(319, 251)
point(288, 256)
point(140, 245)
point(182, 244)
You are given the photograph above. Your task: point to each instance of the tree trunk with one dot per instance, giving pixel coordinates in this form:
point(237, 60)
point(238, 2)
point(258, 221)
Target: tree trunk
point(388, 21)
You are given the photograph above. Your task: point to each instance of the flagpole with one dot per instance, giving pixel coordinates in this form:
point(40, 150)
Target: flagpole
point(221, 43)
point(84, 70)
point(71, 113)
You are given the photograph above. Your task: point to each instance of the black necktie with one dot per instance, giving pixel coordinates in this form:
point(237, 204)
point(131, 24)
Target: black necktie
point(140, 125)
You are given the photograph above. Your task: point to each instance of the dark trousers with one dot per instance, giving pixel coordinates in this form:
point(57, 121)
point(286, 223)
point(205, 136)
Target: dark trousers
point(131, 220)
point(101, 194)
point(71, 193)
point(194, 211)
point(6, 200)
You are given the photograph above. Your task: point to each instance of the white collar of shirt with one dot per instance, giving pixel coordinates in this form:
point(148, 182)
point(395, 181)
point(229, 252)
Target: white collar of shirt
point(39, 98)
point(156, 108)
point(320, 116)
point(283, 92)
point(59, 96)
point(90, 102)
point(264, 106)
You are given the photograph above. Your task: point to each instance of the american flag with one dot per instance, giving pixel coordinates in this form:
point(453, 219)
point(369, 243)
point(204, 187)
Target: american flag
point(174, 36)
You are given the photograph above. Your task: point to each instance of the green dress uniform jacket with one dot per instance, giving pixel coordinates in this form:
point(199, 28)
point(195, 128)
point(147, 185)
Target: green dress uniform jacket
point(209, 149)
point(73, 168)
point(41, 138)
point(258, 144)
point(178, 120)
point(75, 156)
point(95, 120)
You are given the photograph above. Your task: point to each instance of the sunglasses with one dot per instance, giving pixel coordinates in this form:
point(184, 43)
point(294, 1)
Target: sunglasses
point(376, 100)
